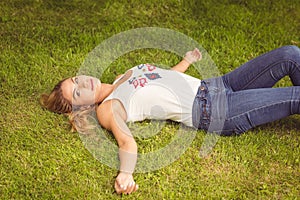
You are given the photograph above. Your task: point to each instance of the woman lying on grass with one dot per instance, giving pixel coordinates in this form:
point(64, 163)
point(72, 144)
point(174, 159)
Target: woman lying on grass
point(227, 105)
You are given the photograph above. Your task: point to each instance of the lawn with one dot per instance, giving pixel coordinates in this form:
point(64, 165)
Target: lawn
point(43, 42)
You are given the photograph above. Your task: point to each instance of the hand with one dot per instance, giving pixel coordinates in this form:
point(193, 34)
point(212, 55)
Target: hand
point(193, 56)
point(125, 184)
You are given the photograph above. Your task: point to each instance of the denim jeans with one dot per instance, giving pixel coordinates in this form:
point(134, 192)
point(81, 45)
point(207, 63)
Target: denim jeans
point(245, 97)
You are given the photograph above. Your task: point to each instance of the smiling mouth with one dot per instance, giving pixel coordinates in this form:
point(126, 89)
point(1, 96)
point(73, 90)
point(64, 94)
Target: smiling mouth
point(92, 85)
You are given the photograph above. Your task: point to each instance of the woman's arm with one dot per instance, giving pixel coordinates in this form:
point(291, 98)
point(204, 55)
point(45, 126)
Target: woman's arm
point(190, 58)
point(127, 154)
point(112, 116)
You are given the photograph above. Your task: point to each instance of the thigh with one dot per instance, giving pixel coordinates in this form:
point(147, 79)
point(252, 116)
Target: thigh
point(266, 70)
point(250, 108)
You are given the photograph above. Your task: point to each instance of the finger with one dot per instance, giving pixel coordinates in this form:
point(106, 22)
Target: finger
point(121, 185)
point(136, 187)
point(200, 54)
point(131, 187)
point(128, 188)
point(117, 188)
point(197, 54)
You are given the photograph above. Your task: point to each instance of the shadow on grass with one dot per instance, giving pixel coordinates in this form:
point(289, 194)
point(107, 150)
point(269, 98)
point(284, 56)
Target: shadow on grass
point(283, 127)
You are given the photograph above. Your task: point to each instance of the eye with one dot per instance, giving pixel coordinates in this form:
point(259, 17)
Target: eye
point(78, 93)
point(76, 80)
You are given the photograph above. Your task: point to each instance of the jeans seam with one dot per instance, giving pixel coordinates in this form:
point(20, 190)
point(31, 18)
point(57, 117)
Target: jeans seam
point(267, 68)
point(236, 116)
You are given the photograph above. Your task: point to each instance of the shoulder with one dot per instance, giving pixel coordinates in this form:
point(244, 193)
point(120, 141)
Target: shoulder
point(108, 110)
point(121, 79)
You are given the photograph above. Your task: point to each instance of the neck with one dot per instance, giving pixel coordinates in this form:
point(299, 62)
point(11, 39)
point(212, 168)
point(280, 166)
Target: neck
point(106, 90)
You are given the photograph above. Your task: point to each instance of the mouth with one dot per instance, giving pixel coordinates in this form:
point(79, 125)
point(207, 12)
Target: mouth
point(92, 85)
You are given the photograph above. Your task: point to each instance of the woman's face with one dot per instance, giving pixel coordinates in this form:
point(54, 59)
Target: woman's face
point(81, 90)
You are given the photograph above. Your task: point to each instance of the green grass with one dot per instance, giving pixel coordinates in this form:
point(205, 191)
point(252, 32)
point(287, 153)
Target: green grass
point(44, 41)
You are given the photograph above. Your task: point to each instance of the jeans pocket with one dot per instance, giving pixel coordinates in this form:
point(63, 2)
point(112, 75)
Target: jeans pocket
point(201, 111)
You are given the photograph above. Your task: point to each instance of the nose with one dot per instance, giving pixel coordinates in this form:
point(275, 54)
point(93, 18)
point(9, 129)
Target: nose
point(84, 83)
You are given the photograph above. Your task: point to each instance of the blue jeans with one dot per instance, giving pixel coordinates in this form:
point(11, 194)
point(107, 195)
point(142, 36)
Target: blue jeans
point(244, 98)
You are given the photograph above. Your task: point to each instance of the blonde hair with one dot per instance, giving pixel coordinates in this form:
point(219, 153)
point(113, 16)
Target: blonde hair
point(79, 116)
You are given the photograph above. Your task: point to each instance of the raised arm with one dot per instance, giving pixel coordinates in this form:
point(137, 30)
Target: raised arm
point(190, 58)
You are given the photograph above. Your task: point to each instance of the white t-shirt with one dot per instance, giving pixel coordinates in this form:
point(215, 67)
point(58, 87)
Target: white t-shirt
point(155, 93)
